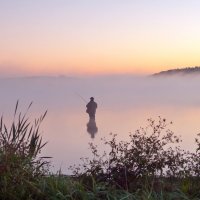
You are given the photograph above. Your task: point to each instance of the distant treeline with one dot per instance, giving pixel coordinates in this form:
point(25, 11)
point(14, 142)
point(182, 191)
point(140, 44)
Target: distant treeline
point(180, 71)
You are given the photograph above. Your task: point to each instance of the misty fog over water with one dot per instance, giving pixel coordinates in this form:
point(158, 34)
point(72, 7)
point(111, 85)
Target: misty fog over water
point(124, 104)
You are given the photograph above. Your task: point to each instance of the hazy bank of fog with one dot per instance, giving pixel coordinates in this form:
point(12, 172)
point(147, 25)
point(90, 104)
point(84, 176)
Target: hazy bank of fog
point(115, 91)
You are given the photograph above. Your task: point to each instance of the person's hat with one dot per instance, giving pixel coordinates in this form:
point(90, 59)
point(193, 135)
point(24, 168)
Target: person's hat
point(92, 98)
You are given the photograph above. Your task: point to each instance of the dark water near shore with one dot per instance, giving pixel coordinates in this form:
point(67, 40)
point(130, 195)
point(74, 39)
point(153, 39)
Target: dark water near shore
point(124, 104)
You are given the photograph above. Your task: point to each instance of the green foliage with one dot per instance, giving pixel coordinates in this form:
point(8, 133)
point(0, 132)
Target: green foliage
point(72, 188)
point(19, 162)
point(152, 156)
point(62, 187)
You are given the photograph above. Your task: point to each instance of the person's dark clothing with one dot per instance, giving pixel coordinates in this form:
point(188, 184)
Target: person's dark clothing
point(91, 108)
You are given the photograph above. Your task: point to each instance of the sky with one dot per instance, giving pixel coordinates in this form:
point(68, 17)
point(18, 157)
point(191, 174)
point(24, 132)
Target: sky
point(87, 37)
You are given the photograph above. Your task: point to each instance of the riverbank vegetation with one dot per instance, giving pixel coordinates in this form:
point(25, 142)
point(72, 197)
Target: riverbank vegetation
point(150, 165)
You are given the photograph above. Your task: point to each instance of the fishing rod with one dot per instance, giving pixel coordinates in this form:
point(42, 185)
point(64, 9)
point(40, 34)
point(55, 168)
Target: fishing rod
point(81, 97)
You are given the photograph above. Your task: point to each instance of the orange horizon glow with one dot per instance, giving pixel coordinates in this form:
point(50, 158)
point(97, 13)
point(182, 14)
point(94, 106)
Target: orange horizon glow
point(91, 67)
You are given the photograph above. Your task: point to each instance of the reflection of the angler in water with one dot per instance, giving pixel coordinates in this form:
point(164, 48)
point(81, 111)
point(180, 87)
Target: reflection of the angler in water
point(92, 127)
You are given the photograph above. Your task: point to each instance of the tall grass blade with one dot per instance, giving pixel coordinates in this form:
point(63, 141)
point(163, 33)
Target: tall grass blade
point(16, 107)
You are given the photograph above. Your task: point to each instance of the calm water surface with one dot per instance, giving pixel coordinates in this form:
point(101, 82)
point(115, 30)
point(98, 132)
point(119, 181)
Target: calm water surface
point(124, 104)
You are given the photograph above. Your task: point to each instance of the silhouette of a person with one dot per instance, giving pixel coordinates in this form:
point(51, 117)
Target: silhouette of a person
point(91, 108)
point(92, 127)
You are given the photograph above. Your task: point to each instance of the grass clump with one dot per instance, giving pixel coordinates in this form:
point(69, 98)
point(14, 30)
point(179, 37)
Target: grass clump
point(20, 165)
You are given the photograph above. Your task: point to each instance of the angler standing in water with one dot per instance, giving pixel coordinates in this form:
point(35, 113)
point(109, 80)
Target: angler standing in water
point(91, 108)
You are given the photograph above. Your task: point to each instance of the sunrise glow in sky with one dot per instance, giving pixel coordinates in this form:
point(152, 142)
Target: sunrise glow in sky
point(75, 37)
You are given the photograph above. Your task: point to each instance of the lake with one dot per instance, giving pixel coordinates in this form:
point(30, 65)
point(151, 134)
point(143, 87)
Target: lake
point(124, 105)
